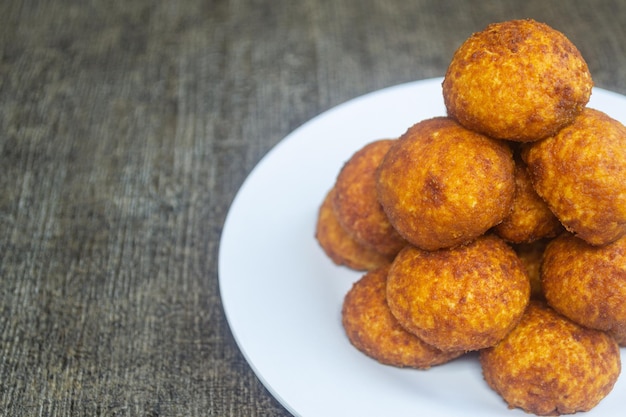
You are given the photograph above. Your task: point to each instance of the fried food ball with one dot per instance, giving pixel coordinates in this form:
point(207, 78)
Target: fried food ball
point(530, 218)
point(549, 365)
point(531, 255)
point(519, 80)
point(442, 185)
point(339, 246)
point(587, 283)
point(580, 173)
point(373, 330)
point(465, 298)
point(356, 201)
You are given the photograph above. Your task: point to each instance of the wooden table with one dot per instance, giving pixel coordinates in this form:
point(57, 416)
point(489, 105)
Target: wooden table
point(126, 129)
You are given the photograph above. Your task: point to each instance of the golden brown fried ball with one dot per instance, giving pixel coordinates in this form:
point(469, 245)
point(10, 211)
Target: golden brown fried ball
point(530, 218)
point(466, 298)
point(531, 255)
point(442, 185)
point(356, 202)
point(373, 330)
point(587, 283)
point(549, 365)
point(339, 246)
point(519, 80)
point(580, 173)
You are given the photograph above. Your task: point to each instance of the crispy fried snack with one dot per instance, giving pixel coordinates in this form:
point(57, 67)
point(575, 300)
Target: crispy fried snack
point(339, 246)
point(519, 80)
point(549, 365)
point(580, 173)
point(356, 202)
point(531, 255)
point(466, 298)
point(373, 330)
point(442, 185)
point(587, 283)
point(530, 218)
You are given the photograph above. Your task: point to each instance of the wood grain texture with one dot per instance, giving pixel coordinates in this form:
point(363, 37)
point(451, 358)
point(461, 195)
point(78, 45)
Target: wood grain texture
point(127, 127)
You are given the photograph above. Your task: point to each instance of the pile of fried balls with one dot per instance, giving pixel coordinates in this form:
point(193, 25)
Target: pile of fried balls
point(499, 228)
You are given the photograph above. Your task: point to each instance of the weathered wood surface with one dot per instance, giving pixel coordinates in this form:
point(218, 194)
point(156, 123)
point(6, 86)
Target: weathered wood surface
point(126, 128)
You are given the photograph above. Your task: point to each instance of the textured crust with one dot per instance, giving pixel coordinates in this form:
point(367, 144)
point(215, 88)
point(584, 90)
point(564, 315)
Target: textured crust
point(549, 365)
point(339, 246)
point(530, 218)
point(587, 283)
point(373, 330)
point(442, 185)
point(580, 173)
point(519, 80)
point(356, 201)
point(466, 298)
point(531, 255)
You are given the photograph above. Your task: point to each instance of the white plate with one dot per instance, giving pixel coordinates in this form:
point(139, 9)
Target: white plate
point(282, 296)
